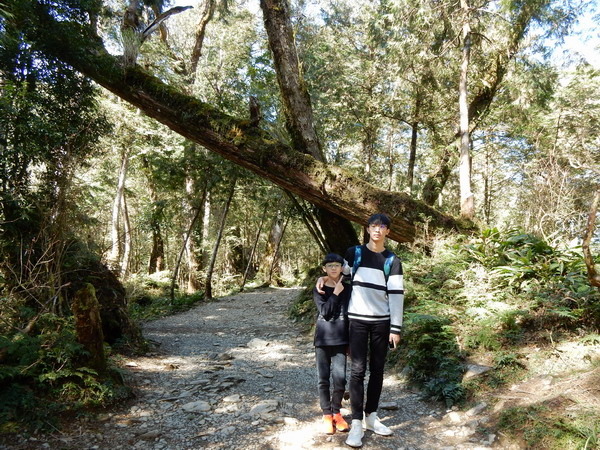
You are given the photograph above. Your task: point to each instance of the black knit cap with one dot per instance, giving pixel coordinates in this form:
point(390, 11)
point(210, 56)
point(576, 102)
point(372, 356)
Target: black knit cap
point(332, 257)
point(380, 219)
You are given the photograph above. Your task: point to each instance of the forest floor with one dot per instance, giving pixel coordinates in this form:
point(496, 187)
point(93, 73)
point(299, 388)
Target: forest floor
point(236, 373)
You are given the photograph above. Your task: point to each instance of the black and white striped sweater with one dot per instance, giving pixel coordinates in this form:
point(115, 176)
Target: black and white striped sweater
point(371, 298)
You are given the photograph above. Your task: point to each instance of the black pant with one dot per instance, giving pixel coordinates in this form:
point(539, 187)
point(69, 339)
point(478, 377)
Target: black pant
point(331, 363)
point(367, 339)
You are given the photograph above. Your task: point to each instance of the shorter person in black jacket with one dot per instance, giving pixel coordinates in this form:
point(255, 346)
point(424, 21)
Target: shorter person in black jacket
point(331, 342)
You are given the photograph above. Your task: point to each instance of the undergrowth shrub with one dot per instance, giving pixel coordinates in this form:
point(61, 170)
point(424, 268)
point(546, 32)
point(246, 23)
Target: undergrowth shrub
point(552, 282)
point(43, 373)
point(148, 297)
point(432, 356)
point(546, 426)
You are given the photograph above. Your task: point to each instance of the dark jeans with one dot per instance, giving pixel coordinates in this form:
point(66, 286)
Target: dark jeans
point(367, 340)
point(331, 363)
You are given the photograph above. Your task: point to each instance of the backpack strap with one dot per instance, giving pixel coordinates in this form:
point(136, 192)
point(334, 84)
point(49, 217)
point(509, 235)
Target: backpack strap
point(387, 267)
point(357, 259)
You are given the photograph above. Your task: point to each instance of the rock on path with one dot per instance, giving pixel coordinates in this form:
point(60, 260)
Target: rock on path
point(235, 373)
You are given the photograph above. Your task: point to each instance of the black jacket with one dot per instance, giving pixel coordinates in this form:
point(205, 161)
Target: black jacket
point(332, 316)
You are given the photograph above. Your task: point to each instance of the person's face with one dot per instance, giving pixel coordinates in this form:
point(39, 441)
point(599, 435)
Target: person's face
point(378, 232)
point(333, 269)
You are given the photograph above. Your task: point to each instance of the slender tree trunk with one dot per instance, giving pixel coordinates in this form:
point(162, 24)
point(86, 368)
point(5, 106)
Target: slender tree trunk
point(367, 150)
point(487, 187)
point(467, 203)
point(205, 227)
point(194, 263)
point(156, 261)
point(391, 159)
point(412, 156)
point(193, 209)
point(213, 258)
point(251, 257)
point(482, 99)
point(113, 259)
point(271, 244)
point(276, 254)
point(593, 275)
point(207, 14)
point(180, 256)
point(310, 223)
point(126, 240)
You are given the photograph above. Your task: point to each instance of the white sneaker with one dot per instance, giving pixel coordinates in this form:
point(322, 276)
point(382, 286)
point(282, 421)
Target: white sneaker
point(356, 434)
point(373, 423)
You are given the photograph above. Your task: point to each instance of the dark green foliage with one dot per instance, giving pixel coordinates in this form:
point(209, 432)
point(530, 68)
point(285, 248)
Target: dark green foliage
point(49, 127)
point(553, 281)
point(432, 355)
point(504, 329)
point(42, 371)
point(148, 298)
point(148, 308)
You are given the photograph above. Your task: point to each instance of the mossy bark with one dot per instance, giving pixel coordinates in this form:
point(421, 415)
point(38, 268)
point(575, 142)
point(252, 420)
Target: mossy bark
point(88, 326)
point(325, 186)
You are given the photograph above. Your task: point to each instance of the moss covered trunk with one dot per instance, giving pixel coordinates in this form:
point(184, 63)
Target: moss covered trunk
point(88, 326)
point(325, 186)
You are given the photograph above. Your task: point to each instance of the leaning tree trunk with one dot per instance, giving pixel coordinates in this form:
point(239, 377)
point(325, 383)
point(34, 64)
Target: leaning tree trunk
point(326, 186)
point(272, 269)
point(207, 14)
point(481, 101)
point(213, 258)
point(184, 245)
point(309, 222)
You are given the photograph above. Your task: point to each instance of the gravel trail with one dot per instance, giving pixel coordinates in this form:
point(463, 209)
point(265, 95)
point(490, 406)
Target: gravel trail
point(236, 373)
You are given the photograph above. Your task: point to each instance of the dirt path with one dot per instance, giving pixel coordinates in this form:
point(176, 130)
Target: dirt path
point(237, 374)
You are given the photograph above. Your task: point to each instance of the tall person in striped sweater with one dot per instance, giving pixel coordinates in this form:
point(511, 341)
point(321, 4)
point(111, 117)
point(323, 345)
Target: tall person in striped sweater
point(375, 322)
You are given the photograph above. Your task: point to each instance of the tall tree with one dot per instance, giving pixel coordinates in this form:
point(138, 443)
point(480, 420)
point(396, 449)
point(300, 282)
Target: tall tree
point(298, 111)
point(467, 199)
point(118, 202)
point(156, 260)
point(514, 19)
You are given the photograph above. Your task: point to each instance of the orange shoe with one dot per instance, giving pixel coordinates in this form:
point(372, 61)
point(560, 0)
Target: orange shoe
point(328, 424)
point(340, 423)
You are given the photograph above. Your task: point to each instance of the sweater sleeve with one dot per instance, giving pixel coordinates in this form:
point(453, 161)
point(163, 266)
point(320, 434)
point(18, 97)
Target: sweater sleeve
point(326, 303)
point(395, 289)
point(348, 261)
